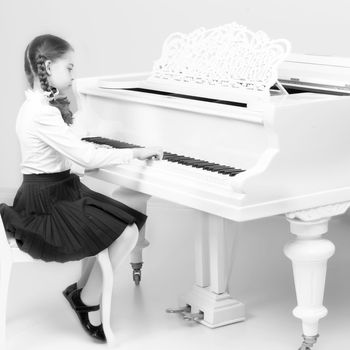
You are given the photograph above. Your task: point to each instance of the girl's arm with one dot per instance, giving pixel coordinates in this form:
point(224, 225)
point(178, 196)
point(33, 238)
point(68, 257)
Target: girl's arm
point(51, 128)
point(79, 129)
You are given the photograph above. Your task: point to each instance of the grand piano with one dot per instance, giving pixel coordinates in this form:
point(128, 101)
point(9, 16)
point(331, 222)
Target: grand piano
point(249, 131)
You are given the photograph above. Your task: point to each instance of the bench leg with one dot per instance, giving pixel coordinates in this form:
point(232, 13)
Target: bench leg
point(5, 270)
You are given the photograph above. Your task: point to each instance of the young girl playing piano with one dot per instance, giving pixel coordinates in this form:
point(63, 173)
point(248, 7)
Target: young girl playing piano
point(54, 217)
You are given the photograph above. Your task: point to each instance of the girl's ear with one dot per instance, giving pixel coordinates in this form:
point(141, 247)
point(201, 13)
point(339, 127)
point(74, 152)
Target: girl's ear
point(48, 66)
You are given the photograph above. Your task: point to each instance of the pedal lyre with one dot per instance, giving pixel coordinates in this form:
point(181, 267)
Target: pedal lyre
point(193, 317)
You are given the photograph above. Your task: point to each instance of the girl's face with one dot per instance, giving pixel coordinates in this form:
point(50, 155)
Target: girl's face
point(60, 71)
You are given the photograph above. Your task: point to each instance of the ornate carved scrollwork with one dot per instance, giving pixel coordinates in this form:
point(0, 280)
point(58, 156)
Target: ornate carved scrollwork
point(227, 56)
point(319, 212)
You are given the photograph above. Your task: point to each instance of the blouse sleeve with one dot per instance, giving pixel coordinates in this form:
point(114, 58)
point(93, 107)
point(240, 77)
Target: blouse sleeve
point(51, 129)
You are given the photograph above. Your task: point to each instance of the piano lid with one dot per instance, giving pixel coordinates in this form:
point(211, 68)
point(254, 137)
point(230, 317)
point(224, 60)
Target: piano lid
point(228, 62)
point(320, 73)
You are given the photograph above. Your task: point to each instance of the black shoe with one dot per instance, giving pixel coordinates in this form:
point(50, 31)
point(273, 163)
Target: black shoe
point(82, 311)
point(70, 289)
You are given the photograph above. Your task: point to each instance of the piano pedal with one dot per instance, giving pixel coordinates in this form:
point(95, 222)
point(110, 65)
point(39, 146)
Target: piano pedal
point(308, 342)
point(193, 317)
point(179, 310)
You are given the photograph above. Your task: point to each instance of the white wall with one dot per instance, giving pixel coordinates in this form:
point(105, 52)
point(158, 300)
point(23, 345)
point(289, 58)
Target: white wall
point(112, 36)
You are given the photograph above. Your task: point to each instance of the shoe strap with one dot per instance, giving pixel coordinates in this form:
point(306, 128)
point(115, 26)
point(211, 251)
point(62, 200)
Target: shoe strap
point(82, 307)
point(86, 308)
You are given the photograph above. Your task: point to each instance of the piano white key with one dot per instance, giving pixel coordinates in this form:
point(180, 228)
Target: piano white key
point(187, 171)
point(192, 172)
point(176, 174)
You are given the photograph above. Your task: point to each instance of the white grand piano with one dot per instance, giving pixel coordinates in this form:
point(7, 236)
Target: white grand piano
point(249, 131)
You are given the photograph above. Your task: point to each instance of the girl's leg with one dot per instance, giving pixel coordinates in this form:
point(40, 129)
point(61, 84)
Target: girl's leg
point(86, 267)
point(121, 248)
point(118, 251)
point(91, 293)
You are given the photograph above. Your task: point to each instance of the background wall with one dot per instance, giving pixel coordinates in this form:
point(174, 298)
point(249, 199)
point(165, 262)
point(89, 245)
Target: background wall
point(113, 36)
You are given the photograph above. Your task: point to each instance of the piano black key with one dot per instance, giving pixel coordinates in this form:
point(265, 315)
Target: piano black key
point(186, 160)
point(214, 167)
point(196, 161)
point(209, 168)
point(227, 170)
point(199, 164)
point(176, 158)
point(168, 154)
point(234, 172)
point(167, 157)
point(218, 169)
point(109, 142)
point(182, 160)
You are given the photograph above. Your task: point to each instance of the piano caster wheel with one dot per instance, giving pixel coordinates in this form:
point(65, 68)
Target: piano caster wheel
point(136, 274)
point(308, 342)
point(179, 310)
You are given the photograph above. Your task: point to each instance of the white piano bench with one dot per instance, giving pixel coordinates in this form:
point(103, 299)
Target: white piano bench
point(10, 254)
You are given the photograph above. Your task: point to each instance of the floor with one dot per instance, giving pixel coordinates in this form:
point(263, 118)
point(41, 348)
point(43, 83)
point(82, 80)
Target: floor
point(40, 318)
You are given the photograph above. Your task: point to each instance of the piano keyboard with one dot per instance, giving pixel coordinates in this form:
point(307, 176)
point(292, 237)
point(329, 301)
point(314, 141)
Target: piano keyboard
point(171, 157)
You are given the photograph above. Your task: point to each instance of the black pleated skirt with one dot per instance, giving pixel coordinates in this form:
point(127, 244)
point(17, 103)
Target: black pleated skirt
point(55, 217)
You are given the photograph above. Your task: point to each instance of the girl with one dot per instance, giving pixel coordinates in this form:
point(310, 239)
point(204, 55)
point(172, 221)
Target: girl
point(54, 217)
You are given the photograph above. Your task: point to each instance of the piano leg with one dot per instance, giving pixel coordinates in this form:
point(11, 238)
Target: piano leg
point(309, 253)
point(137, 201)
point(210, 301)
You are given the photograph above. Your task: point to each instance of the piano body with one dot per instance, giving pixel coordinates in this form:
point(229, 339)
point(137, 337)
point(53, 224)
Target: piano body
point(263, 147)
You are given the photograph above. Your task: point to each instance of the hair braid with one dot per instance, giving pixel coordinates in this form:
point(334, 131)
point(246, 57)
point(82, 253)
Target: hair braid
point(42, 73)
point(61, 103)
point(39, 50)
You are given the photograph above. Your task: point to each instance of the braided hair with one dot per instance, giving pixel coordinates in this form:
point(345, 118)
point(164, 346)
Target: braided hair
point(40, 49)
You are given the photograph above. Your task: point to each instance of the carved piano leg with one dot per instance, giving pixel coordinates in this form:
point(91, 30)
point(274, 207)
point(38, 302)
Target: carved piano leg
point(210, 302)
point(309, 253)
point(137, 201)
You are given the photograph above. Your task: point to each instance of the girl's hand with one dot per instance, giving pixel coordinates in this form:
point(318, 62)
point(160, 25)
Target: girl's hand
point(148, 153)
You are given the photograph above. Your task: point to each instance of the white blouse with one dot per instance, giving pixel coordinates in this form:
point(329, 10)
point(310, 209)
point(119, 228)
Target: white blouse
point(49, 145)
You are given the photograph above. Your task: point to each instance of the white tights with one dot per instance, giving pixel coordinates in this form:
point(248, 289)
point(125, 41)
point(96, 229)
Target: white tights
point(91, 279)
